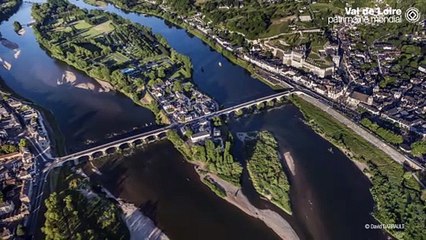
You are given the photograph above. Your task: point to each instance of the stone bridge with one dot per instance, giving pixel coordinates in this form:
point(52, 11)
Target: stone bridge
point(120, 144)
point(247, 105)
point(158, 134)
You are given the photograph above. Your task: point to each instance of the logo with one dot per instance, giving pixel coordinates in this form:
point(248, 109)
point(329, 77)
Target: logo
point(412, 15)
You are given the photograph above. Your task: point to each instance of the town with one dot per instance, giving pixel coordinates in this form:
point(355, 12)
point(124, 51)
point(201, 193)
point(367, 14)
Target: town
point(127, 56)
point(363, 82)
point(374, 87)
point(23, 136)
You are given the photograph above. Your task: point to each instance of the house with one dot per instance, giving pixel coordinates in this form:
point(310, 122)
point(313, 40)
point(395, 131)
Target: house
point(200, 136)
point(356, 98)
point(216, 132)
point(6, 207)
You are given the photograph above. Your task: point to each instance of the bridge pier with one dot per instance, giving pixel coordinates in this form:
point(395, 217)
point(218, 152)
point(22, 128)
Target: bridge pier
point(158, 134)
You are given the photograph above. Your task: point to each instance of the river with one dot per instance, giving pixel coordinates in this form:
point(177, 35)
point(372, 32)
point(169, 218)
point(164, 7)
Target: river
point(88, 116)
point(329, 194)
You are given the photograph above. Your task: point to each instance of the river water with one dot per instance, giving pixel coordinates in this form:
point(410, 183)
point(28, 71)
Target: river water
point(86, 116)
point(329, 194)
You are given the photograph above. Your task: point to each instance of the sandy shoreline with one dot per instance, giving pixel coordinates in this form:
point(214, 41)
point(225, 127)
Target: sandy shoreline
point(139, 225)
point(290, 162)
point(272, 219)
point(70, 78)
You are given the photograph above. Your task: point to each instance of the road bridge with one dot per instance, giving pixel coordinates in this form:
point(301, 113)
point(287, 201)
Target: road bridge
point(160, 133)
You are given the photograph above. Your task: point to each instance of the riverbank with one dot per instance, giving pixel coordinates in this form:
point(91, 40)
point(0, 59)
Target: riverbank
point(236, 197)
point(57, 140)
point(139, 226)
point(288, 160)
point(390, 183)
point(193, 31)
point(8, 8)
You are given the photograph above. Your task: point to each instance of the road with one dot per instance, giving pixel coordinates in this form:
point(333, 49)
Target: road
point(331, 106)
point(394, 154)
point(41, 161)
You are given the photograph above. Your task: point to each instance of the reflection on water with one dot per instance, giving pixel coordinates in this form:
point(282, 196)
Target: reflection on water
point(9, 44)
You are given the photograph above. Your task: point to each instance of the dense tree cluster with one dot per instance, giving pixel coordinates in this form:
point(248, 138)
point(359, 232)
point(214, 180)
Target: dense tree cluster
point(70, 214)
point(218, 161)
point(8, 7)
point(386, 134)
point(181, 6)
point(252, 18)
point(398, 204)
point(105, 46)
point(267, 172)
point(418, 148)
point(8, 148)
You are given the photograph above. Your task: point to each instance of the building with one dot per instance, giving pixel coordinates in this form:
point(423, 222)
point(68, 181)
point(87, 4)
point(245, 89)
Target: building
point(356, 98)
point(6, 207)
point(298, 60)
point(200, 136)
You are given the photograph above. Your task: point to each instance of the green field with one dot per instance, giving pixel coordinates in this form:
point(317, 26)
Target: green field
point(93, 31)
point(116, 58)
point(81, 25)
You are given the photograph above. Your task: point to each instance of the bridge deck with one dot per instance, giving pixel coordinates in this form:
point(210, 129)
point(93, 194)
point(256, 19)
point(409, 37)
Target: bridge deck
point(156, 132)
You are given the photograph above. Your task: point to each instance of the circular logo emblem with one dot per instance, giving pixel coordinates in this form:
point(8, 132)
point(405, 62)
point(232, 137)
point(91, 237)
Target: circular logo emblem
point(412, 15)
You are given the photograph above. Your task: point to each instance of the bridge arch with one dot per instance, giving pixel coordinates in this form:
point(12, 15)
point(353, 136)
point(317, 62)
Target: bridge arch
point(138, 142)
point(162, 135)
point(97, 154)
point(124, 146)
point(151, 138)
point(111, 150)
point(83, 158)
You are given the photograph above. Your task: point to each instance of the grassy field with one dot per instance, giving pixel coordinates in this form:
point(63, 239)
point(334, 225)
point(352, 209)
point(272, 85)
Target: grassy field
point(81, 25)
point(93, 31)
point(117, 58)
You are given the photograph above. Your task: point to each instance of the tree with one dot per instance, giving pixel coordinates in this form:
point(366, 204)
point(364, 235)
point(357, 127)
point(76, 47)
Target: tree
point(177, 86)
point(266, 171)
point(20, 231)
point(418, 148)
point(23, 143)
point(17, 26)
point(8, 148)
